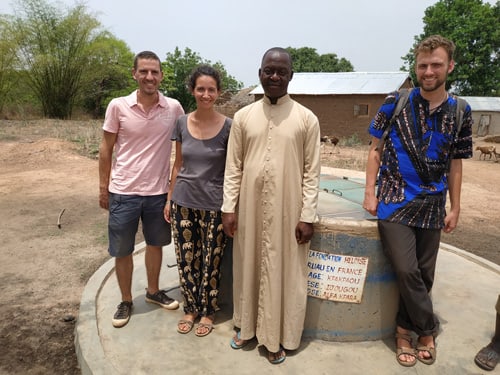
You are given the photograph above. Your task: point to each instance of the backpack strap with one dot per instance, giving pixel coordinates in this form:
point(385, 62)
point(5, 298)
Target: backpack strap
point(461, 105)
point(402, 99)
point(459, 118)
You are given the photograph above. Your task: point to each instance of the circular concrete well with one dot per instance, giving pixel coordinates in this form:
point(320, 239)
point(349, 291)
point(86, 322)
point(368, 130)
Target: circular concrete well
point(360, 301)
point(352, 290)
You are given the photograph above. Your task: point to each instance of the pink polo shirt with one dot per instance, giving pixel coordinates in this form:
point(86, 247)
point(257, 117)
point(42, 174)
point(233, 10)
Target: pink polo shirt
point(141, 163)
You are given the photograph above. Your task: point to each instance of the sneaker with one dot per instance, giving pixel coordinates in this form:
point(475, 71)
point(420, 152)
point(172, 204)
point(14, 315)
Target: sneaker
point(161, 298)
point(122, 314)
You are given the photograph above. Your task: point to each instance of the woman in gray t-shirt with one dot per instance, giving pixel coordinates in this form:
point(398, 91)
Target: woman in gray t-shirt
point(195, 201)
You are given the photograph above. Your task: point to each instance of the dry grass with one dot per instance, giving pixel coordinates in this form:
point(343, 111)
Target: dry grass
point(492, 138)
point(344, 157)
point(85, 134)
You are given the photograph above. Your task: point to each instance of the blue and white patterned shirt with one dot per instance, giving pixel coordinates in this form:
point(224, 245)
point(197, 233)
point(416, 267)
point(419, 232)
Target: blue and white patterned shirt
point(412, 181)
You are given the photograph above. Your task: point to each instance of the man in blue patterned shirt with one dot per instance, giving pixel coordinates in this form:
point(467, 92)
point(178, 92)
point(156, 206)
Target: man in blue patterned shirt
point(419, 163)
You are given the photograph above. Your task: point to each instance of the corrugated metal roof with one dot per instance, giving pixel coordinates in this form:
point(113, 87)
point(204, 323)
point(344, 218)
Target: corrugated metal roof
point(483, 103)
point(343, 83)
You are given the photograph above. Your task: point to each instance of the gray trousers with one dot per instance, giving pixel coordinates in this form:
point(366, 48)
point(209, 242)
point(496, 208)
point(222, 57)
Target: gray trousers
point(413, 254)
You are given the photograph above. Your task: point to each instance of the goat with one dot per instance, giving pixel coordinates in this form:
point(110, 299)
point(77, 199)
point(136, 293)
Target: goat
point(329, 139)
point(486, 150)
point(497, 156)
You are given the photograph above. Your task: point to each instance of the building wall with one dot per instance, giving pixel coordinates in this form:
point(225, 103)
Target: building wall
point(337, 118)
point(336, 113)
point(494, 126)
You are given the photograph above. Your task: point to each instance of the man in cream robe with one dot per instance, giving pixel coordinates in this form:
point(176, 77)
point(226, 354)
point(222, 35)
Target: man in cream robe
point(270, 199)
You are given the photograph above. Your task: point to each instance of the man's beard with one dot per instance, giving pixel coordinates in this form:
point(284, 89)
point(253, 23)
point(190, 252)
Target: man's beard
point(436, 85)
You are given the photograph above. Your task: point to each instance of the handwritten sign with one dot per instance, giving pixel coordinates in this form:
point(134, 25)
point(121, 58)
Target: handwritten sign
point(336, 277)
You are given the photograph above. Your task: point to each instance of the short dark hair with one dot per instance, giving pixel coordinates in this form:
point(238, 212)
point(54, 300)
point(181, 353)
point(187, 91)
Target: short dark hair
point(433, 42)
point(280, 50)
point(204, 70)
point(148, 55)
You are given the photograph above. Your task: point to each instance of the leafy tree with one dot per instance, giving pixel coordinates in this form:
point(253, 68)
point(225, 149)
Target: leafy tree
point(473, 27)
point(177, 68)
point(109, 74)
point(306, 59)
point(8, 60)
point(55, 50)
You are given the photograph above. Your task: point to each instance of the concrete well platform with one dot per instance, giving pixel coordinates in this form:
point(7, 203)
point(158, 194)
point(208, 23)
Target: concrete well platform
point(464, 294)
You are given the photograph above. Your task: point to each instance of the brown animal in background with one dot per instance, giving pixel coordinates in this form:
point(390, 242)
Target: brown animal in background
point(329, 139)
point(497, 156)
point(486, 150)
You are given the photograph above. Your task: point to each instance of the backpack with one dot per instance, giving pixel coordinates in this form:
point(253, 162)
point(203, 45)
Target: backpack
point(404, 94)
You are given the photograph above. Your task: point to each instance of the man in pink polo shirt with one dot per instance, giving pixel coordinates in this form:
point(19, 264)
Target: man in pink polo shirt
point(133, 184)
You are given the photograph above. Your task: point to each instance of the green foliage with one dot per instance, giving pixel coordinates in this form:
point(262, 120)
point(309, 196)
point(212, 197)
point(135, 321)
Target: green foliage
point(54, 48)
point(110, 73)
point(8, 60)
point(54, 60)
point(62, 59)
point(473, 27)
point(306, 59)
point(177, 69)
point(21, 101)
point(352, 141)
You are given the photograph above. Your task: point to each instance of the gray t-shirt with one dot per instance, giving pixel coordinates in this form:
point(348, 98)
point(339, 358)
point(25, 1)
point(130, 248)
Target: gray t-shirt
point(200, 180)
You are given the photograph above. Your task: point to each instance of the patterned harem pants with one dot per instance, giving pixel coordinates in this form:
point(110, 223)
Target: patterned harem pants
point(199, 246)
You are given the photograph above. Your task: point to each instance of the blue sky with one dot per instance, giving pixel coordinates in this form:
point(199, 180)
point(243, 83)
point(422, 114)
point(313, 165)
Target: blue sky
point(372, 35)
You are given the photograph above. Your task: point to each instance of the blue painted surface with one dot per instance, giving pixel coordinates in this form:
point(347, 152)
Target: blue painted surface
point(338, 335)
point(344, 198)
point(345, 228)
point(348, 188)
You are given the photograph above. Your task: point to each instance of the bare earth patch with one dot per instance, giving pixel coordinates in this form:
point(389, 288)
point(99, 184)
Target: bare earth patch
point(45, 268)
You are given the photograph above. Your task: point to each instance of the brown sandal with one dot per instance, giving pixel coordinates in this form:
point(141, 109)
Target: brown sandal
point(203, 328)
point(403, 350)
point(427, 349)
point(487, 358)
point(185, 322)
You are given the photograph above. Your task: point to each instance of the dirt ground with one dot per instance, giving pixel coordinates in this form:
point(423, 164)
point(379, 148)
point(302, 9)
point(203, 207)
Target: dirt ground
point(45, 268)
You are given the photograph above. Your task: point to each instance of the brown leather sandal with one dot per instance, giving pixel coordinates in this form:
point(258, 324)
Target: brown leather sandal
point(185, 326)
point(204, 328)
point(487, 358)
point(427, 349)
point(403, 350)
